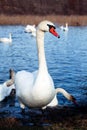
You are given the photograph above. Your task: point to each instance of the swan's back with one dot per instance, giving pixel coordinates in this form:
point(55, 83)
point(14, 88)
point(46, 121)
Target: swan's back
point(5, 91)
point(24, 82)
point(23, 77)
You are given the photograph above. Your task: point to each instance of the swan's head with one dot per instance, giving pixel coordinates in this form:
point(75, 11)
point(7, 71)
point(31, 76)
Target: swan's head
point(47, 26)
point(72, 98)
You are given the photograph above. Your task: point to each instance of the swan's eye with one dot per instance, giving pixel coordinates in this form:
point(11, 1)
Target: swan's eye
point(51, 26)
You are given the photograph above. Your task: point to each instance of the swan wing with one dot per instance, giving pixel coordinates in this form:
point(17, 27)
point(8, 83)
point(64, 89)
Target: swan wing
point(2, 92)
point(5, 91)
point(24, 82)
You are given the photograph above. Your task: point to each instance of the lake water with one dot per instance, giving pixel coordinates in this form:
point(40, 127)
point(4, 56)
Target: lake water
point(66, 59)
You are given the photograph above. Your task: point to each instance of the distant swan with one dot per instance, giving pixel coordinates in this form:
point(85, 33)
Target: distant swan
point(33, 34)
point(64, 28)
point(6, 87)
point(30, 28)
point(6, 40)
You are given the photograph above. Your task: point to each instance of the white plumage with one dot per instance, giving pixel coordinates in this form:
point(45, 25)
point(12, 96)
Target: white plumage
point(64, 28)
point(5, 91)
point(37, 89)
point(6, 87)
point(6, 40)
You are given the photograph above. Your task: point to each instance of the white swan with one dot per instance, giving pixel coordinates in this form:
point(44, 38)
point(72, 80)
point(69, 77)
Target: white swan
point(33, 34)
point(37, 89)
point(64, 28)
point(30, 28)
point(6, 40)
point(6, 87)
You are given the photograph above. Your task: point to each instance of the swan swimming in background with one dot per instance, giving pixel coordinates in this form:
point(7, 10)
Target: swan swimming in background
point(33, 34)
point(64, 28)
point(30, 28)
point(37, 89)
point(6, 40)
point(7, 87)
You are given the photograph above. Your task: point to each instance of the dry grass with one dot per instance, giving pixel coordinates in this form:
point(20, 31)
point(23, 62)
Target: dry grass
point(35, 19)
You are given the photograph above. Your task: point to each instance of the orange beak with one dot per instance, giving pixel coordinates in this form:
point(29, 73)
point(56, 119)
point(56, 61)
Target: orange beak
point(52, 30)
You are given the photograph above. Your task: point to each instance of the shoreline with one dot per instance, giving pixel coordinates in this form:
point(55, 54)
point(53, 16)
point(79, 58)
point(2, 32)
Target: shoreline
point(73, 20)
point(65, 118)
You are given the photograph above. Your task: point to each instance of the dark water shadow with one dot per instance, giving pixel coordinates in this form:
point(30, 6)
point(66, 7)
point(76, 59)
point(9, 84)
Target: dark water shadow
point(11, 115)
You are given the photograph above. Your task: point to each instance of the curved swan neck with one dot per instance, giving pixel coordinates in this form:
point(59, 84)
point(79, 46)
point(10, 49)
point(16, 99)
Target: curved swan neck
point(41, 52)
point(65, 93)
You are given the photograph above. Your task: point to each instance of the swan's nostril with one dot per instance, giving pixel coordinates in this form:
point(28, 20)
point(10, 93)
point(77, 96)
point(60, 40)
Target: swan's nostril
point(59, 36)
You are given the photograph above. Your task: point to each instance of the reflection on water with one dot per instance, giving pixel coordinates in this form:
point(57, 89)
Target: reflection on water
point(66, 59)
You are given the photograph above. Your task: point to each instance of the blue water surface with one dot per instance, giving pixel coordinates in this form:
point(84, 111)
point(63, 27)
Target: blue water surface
point(66, 58)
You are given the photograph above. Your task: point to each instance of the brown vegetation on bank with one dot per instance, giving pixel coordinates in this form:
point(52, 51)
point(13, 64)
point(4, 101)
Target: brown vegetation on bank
point(65, 118)
point(33, 11)
point(43, 7)
point(74, 20)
